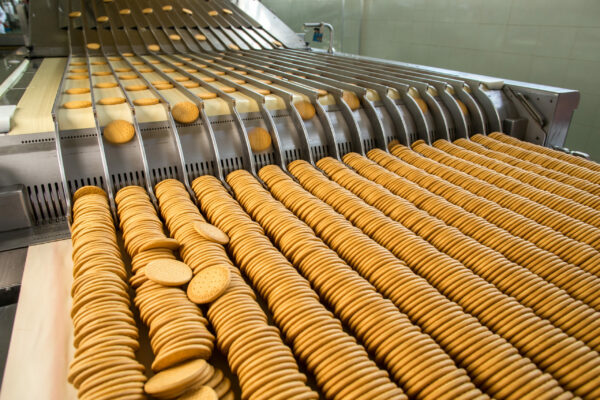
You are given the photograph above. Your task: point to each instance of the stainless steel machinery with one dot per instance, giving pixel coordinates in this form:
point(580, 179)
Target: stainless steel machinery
point(249, 49)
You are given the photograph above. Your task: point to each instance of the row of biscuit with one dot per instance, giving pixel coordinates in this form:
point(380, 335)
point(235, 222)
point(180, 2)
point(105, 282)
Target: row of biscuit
point(573, 317)
point(106, 336)
point(264, 365)
point(564, 190)
point(557, 200)
point(341, 367)
point(537, 339)
point(477, 142)
point(519, 194)
point(569, 250)
point(412, 293)
point(413, 359)
point(503, 199)
point(549, 158)
point(178, 332)
point(579, 284)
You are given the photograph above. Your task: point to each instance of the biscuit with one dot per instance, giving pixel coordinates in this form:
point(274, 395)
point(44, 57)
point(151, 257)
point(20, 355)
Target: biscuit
point(78, 70)
point(211, 232)
point(93, 46)
point(77, 77)
point(102, 18)
point(209, 79)
point(77, 104)
point(77, 90)
point(174, 37)
point(98, 63)
point(305, 109)
point(176, 378)
point(75, 14)
point(191, 70)
point(209, 284)
point(227, 11)
point(185, 112)
point(187, 11)
point(146, 101)
point(114, 58)
point(462, 107)
point(154, 47)
point(101, 73)
point(128, 77)
point(238, 81)
point(154, 83)
point(125, 11)
point(147, 10)
point(264, 92)
point(119, 131)
point(84, 190)
point(233, 46)
point(145, 70)
point(168, 7)
point(109, 101)
point(123, 69)
point(106, 85)
point(351, 99)
point(190, 84)
point(228, 89)
point(77, 63)
point(201, 393)
point(128, 54)
point(199, 36)
point(422, 105)
point(213, 13)
point(168, 70)
point(181, 78)
point(163, 86)
point(259, 139)
point(168, 272)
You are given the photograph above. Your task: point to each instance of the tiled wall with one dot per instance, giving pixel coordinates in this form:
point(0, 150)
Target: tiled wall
point(553, 42)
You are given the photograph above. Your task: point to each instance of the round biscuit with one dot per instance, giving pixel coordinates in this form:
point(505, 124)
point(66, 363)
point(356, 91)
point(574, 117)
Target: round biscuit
point(135, 88)
point(211, 232)
point(77, 104)
point(77, 90)
point(209, 284)
point(305, 109)
point(259, 139)
point(119, 131)
point(168, 272)
point(109, 101)
point(185, 112)
point(146, 101)
point(93, 46)
point(106, 85)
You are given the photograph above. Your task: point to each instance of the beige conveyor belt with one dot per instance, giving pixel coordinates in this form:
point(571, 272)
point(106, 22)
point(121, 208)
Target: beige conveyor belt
point(33, 114)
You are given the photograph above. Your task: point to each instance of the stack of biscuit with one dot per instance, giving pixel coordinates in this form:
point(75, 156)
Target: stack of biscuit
point(564, 190)
point(569, 250)
point(579, 284)
point(106, 336)
point(557, 199)
point(573, 317)
point(341, 367)
point(461, 285)
point(479, 142)
point(352, 298)
point(177, 328)
point(254, 349)
point(541, 214)
point(394, 280)
point(552, 159)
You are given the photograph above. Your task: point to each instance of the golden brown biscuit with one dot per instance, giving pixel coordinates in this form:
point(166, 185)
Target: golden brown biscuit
point(77, 104)
point(213, 13)
point(125, 11)
point(207, 95)
point(147, 10)
point(259, 139)
point(227, 11)
point(198, 36)
point(106, 85)
point(168, 272)
point(109, 101)
point(187, 11)
point(75, 14)
point(233, 46)
point(305, 109)
point(209, 284)
point(101, 73)
point(119, 131)
point(77, 90)
point(351, 99)
point(128, 77)
point(102, 18)
point(93, 46)
point(146, 101)
point(168, 7)
point(174, 37)
point(185, 112)
point(154, 47)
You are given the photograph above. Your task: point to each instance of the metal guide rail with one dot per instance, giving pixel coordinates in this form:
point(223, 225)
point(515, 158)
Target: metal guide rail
point(214, 55)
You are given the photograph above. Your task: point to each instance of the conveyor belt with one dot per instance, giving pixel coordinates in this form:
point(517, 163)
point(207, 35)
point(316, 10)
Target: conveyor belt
point(386, 280)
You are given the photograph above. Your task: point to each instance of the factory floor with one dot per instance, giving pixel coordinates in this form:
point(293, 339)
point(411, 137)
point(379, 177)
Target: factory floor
point(12, 263)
